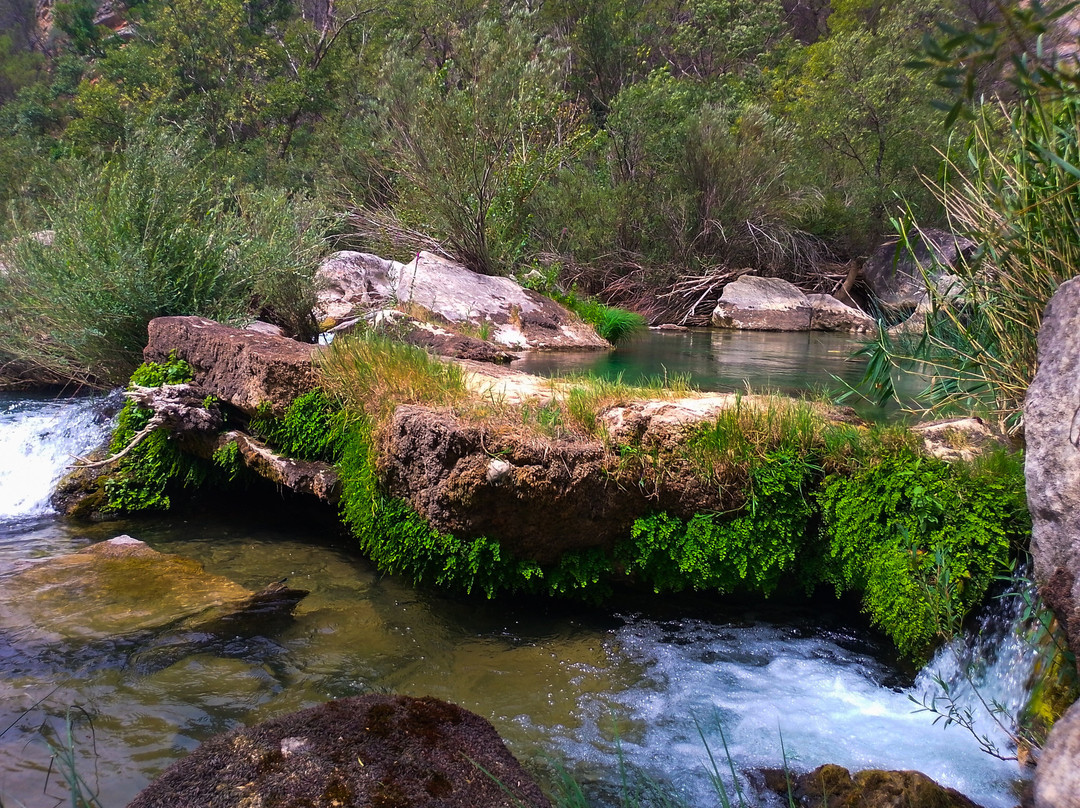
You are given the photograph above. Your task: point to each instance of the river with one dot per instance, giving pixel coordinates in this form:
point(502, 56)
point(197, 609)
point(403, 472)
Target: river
point(566, 685)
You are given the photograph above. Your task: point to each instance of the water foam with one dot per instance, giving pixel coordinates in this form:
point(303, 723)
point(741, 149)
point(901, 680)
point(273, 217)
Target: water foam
point(38, 441)
point(829, 699)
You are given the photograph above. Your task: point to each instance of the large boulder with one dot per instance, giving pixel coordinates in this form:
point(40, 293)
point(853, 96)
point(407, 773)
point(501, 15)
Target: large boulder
point(517, 318)
point(243, 368)
point(773, 304)
point(762, 304)
point(898, 279)
point(358, 752)
point(1052, 462)
point(1052, 469)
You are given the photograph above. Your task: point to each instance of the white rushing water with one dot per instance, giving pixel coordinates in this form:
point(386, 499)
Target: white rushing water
point(816, 692)
point(38, 441)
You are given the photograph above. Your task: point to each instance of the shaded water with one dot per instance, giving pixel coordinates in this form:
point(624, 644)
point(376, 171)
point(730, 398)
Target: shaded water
point(560, 682)
point(726, 361)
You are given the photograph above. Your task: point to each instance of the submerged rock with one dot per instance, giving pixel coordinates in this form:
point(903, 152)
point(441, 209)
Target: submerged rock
point(518, 318)
point(832, 786)
point(390, 751)
point(121, 587)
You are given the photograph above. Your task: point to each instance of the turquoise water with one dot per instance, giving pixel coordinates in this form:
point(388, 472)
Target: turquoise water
point(728, 361)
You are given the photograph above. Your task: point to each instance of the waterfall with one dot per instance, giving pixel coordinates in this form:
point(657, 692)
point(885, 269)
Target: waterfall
point(38, 440)
point(809, 694)
point(986, 673)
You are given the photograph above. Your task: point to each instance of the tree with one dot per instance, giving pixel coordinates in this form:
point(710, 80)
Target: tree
point(475, 139)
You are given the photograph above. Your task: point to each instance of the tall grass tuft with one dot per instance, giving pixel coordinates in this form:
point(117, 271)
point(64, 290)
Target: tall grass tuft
point(371, 375)
point(153, 233)
point(1013, 190)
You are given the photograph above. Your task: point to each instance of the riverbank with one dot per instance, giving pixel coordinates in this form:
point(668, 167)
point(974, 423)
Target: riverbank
point(486, 481)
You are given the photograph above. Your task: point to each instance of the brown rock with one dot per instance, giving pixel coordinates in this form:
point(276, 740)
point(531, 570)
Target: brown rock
point(387, 751)
point(243, 368)
point(539, 498)
point(832, 786)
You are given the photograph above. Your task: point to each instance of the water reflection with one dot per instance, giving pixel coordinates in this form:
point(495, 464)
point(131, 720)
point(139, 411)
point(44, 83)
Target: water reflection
point(727, 361)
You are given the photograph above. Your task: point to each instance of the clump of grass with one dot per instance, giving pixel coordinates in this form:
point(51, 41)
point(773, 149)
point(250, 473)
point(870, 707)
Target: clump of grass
point(153, 233)
point(371, 375)
point(613, 324)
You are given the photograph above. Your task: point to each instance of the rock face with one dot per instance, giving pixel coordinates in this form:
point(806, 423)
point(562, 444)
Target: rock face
point(896, 278)
point(773, 304)
point(1052, 464)
point(473, 481)
point(1057, 778)
point(835, 787)
point(518, 318)
point(364, 751)
point(243, 368)
point(1052, 468)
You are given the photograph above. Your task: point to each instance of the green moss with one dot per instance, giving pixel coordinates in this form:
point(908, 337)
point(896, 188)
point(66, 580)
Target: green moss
point(149, 475)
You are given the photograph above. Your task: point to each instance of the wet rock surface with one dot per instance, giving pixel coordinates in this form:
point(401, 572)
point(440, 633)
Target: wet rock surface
point(389, 751)
point(832, 786)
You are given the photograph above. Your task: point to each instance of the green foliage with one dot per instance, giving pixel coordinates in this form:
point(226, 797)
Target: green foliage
point(311, 428)
point(228, 459)
point(922, 540)
point(372, 374)
point(748, 551)
point(474, 139)
point(149, 473)
point(1011, 189)
point(613, 324)
point(154, 234)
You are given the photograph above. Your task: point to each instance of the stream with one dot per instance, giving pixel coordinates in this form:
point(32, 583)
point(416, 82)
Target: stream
point(567, 686)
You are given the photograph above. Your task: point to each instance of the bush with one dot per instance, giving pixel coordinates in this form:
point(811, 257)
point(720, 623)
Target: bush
point(151, 235)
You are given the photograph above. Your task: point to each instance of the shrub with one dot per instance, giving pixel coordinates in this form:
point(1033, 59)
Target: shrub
point(922, 540)
point(152, 235)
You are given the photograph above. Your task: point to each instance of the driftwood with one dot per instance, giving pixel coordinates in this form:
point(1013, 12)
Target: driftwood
point(176, 407)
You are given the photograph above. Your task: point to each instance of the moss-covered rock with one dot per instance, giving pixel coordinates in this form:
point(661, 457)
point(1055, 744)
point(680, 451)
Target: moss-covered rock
point(385, 751)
